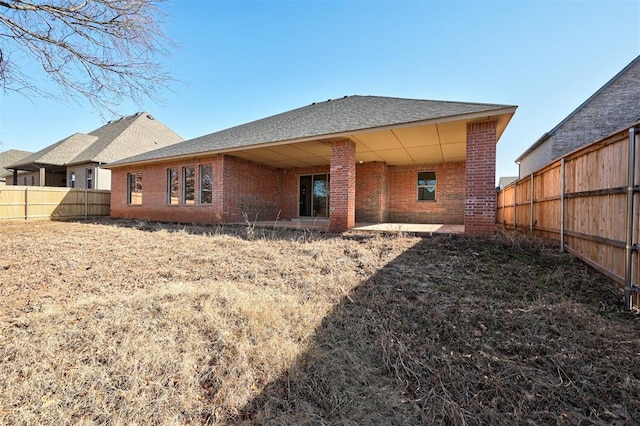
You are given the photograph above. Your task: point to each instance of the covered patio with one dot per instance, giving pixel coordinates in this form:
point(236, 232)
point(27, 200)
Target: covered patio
point(349, 161)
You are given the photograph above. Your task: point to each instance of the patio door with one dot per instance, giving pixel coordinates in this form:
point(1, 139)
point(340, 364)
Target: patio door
point(314, 195)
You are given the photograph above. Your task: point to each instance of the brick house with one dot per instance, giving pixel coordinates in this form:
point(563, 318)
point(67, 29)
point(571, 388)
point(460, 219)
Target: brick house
point(354, 159)
point(615, 106)
point(78, 161)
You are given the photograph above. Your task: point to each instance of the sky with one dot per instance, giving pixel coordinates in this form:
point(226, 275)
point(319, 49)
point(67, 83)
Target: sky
point(239, 61)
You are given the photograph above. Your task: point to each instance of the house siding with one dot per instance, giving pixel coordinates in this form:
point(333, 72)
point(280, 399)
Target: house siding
point(537, 159)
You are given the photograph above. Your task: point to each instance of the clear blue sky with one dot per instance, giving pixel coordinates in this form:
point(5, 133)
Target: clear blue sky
point(243, 60)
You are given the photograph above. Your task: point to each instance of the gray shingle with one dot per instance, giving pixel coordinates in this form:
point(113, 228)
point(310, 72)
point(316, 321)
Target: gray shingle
point(10, 156)
point(115, 140)
point(58, 153)
point(348, 114)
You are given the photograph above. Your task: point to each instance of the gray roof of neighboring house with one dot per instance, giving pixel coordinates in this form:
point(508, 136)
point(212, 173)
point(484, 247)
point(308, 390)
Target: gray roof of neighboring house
point(323, 119)
point(506, 180)
point(9, 157)
point(551, 132)
point(115, 140)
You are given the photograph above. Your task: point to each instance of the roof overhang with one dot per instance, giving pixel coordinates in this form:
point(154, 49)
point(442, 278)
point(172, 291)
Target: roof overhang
point(421, 142)
point(34, 167)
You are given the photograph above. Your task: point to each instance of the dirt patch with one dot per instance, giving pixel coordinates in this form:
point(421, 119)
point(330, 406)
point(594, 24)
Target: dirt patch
point(116, 321)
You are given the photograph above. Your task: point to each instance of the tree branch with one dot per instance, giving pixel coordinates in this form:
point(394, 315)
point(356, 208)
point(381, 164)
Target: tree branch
point(101, 50)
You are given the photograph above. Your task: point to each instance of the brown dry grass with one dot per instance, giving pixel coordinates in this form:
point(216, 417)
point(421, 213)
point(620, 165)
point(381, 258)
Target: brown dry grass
point(142, 323)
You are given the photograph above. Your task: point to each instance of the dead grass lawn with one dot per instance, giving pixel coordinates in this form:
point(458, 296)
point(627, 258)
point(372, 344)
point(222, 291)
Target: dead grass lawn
point(141, 323)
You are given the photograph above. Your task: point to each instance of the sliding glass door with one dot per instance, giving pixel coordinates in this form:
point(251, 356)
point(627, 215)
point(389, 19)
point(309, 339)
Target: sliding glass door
point(314, 195)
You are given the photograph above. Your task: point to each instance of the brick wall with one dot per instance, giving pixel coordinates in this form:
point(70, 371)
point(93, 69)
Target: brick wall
point(342, 204)
point(250, 188)
point(290, 179)
point(448, 207)
point(372, 192)
point(616, 106)
point(480, 203)
point(238, 186)
point(154, 193)
point(378, 193)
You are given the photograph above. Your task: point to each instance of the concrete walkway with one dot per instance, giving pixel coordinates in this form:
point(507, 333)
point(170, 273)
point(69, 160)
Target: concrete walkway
point(321, 224)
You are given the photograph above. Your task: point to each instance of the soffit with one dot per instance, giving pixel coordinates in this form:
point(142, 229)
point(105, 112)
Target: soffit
point(400, 146)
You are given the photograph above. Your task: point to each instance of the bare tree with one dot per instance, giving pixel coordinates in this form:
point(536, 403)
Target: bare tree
point(101, 50)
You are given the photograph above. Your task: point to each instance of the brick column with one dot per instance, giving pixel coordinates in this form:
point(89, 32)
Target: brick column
point(342, 189)
point(480, 201)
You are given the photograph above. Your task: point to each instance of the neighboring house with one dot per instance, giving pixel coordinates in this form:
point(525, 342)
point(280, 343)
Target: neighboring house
point(6, 158)
point(505, 181)
point(78, 160)
point(614, 106)
point(358, 158)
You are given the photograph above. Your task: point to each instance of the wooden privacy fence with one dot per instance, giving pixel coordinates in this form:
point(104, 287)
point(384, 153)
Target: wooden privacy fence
point(39, 202)
point(589, 200)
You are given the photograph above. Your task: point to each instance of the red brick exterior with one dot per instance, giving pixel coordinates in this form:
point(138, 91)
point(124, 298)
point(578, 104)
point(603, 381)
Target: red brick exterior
point(370, 192)
point(342, 195)
point(290, 185)
point(238, 186)
point(480, 203)
point(250, 188)
point(448, 207)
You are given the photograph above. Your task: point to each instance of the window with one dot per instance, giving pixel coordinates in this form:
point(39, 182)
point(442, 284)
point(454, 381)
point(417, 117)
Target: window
point(426, 186)
point(188, 185)
point(206, 184)
point(33, 181)
point(89, 178)
point(172, 186)
point(72, 179)
point(24, 181)
point(134, 192)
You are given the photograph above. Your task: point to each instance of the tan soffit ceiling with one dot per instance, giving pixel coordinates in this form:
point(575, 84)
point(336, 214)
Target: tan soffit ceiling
point(399, 146)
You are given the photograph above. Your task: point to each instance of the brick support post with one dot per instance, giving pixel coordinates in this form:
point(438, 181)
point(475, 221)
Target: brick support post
point(342, 195)
point(480, 201)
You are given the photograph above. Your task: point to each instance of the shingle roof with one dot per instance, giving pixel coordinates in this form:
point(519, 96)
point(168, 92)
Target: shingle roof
point(115, 140)
point(8, 157)
point(332, 117)
point(58, 153)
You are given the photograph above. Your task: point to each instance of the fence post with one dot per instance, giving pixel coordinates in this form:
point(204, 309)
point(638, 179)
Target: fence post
point(86, 203)
point(628, 261)
point(504, 207)
point(26, 203)
point(515, 205)
point(562, 190)
point(531, 208)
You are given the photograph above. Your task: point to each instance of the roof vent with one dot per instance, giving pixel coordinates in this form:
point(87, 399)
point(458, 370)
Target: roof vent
point(150, 117)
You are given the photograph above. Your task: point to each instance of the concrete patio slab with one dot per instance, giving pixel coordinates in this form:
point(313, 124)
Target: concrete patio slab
point(323, 224)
